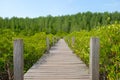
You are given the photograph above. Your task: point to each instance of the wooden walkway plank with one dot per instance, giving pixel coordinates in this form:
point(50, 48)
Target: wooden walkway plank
point(59, 64)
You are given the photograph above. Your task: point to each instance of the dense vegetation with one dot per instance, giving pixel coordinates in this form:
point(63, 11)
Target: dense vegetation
point(82, 25)
point(68, 23)
point(34, 47)
point(109, 49)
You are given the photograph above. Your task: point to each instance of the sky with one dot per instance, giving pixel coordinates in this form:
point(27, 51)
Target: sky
point(36, 8)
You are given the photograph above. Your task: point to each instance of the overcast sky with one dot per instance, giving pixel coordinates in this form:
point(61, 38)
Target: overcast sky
point(35, 8)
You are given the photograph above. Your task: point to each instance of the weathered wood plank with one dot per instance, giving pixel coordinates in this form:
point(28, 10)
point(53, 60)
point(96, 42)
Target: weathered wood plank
point(55, 79)
point(18, 59)
point(59, 64)
point(94, 58)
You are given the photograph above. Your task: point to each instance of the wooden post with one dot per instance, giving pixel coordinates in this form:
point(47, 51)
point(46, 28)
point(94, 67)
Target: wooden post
point(18, 59)
point(48, 44)
point(94, 58)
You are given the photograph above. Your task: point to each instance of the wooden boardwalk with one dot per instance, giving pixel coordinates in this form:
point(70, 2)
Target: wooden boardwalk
point(59, 64)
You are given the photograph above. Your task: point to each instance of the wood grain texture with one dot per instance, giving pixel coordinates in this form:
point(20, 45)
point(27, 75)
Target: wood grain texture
point(60, 64)
point(94, 58)
point(18, 59)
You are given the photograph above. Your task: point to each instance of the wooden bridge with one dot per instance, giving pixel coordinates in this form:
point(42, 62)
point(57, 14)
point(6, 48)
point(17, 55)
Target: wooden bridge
point(59, 64)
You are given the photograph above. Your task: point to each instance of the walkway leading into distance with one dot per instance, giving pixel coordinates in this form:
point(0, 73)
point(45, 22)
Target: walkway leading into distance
point(60, 64)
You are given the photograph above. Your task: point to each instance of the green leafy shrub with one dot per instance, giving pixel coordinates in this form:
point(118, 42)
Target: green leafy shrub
point(34, 48)
point(109, 49)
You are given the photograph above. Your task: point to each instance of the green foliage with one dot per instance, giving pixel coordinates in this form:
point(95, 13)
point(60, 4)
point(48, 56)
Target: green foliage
point(6, 37)
point(67, 23)
point(34, 32)
point(34, 47)
point(61, 34)
point(109, 48)
point(6, 50)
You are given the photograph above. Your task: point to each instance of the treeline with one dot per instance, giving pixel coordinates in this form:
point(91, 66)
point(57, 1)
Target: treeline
point(67, 23)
